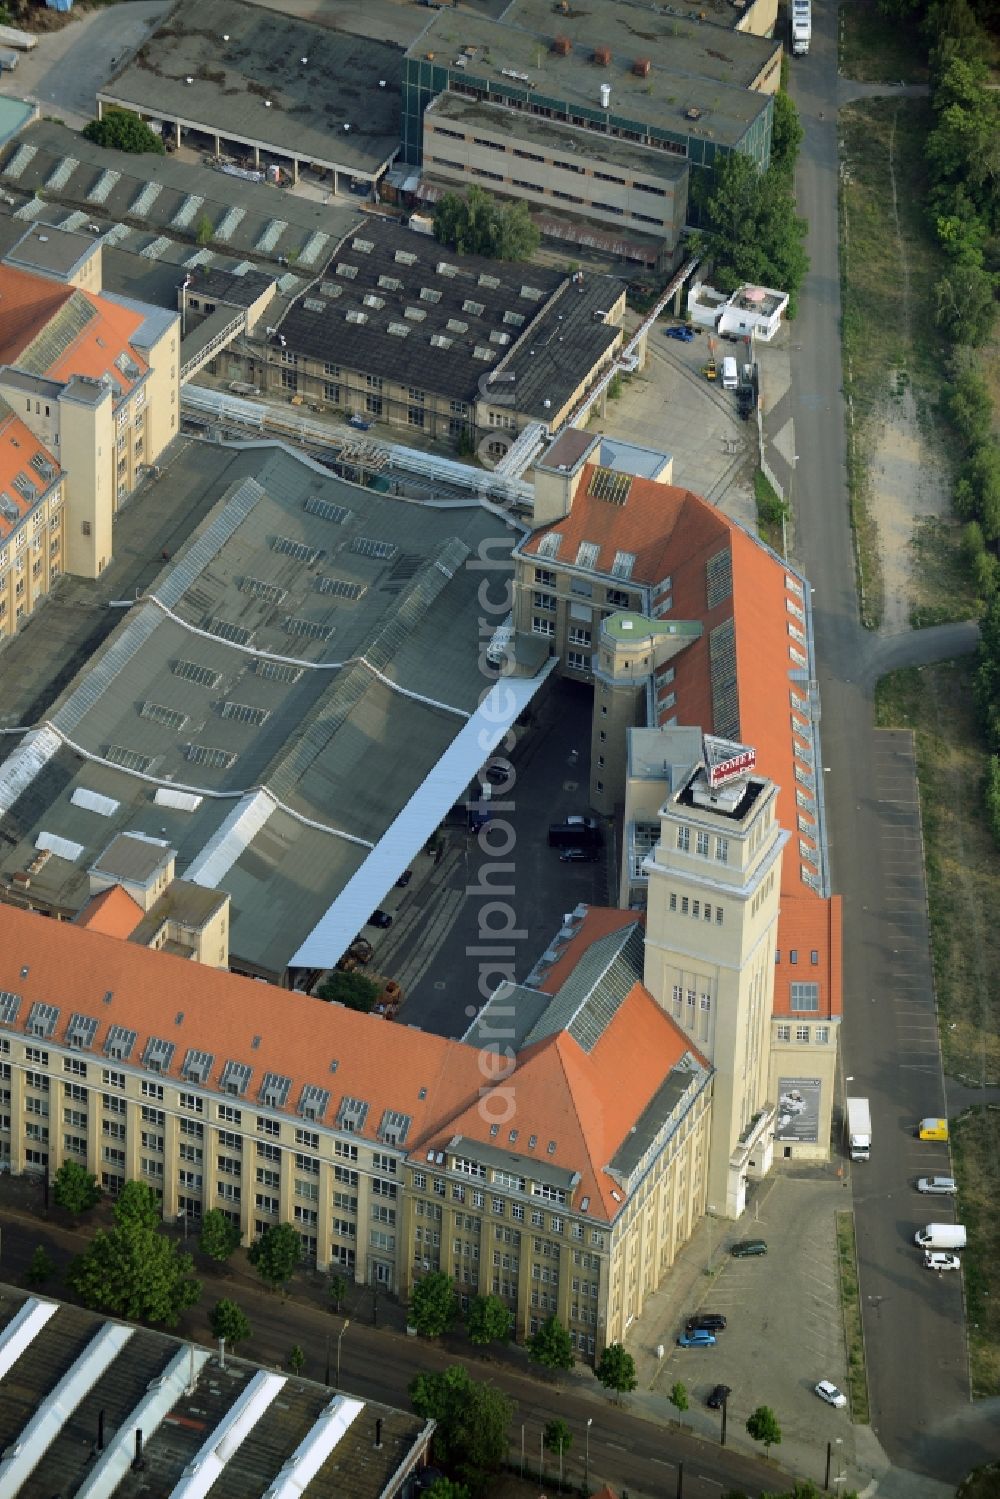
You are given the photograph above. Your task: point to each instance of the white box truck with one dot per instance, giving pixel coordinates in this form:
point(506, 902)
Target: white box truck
point(24, 41)
point(941, 1236)
point(801, 26)
point(859, 1129)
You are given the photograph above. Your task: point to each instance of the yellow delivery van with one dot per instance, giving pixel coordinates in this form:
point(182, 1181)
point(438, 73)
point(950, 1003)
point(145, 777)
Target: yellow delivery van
point(932, 1129)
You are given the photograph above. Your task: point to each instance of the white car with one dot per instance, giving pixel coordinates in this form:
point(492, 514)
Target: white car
point(937, 1259)
point(938, 1186)
point(829, 1392)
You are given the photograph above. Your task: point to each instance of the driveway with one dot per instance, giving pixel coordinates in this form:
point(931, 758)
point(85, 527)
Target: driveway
point(63, 73)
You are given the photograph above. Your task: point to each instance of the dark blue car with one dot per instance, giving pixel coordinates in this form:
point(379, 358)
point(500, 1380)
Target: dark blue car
point(681, 332)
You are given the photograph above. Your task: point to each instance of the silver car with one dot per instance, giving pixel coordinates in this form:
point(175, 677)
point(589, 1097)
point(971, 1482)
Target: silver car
point(938, 1186)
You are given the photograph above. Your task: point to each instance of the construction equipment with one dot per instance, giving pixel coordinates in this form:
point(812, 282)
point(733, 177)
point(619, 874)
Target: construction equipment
point(710, 370)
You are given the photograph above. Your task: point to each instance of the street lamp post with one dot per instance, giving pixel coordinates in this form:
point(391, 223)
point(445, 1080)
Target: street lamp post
point(586, 1460)
point(340, 1338)
point(182, 1218)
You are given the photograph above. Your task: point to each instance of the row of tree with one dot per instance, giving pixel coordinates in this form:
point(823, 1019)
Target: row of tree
point(750, 229)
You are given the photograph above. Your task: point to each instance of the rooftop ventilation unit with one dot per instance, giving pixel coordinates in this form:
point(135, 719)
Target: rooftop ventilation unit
point(602, 57)
point(562, 46)
point(641, 67)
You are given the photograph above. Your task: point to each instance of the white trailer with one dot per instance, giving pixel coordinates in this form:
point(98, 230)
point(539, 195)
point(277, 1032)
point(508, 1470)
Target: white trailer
point(859, 1129)
point(941, 1236)
point(801, 26)
point(22, 40)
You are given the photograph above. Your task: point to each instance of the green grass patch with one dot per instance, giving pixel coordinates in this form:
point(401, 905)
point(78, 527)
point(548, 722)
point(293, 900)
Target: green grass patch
point(941, 578)
point(962, 859)
point(887, 281)
point(879, 49)
point(850, 1302)
point(975, 1150)
point(772, 512)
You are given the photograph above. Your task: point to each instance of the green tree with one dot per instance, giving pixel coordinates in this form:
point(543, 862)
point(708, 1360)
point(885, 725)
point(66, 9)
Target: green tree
point(41, 1267)
point(750, 228)
point(786, 134)
point(121, 130)
point(354, 990)
point(616, 1369)
point(219, 1236)
point(204, 231)
point(488, 1321)
point(551, 1346)
point(337, 1290)
point(138, 1204)
point(970, 407)
point(75, 1189)
point(977, 493)
point(276, 1254)
point(473, 1422)
point(558, 1437)
point(228, 1320)
point(136, 1273)
point(444, 1488)
point(478, 224)
point(992, 796)
point(762, 1425)
point(433, 1305)
point(296, 1359)
point(678, 1397)
point(966, 303)
point(988, 673)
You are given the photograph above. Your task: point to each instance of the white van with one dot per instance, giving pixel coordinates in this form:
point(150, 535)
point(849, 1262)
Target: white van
point(941, 1236)
point(730, 379)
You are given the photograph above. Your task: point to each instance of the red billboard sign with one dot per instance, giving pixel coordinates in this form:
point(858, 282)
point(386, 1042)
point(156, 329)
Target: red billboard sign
point(728, 770)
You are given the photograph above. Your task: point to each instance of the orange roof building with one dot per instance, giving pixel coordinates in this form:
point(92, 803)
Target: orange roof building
point(93, 377)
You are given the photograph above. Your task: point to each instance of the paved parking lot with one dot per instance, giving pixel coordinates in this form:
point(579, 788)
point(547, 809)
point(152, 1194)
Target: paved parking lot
point(784, 1329)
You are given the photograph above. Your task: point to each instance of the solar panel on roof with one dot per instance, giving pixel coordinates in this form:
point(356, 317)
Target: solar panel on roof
point(42, 1019)
point(587, 554)
point(258, 589)
point(212, 759)
point(367, 546)
point(81, 1030)
point(394, 1127)
point(169, 717)
point(235, 1078)
point(550, 544)
point(8, 509)
point(192, 672)
point(297, 549)
point(313, 1101)
point(610, 485)
point(118, 1043)
point(326, 511)
point(278, 671)
point(157, 1055)
point(24, 487)
point(197, 1066)
point(296, 625)
point(226, 630)
point(623, 564)
point(127, 759)
point(340, 588)
point(9, 1006)
point(352, 1114)
point(274, 1090)
point(245, 713)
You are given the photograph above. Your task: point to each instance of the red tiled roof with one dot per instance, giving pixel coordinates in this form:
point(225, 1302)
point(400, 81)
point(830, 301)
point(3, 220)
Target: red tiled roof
point(599, 921)
point(18, 446)
point(104, 339)
point(27, 304)
point(810, 925)
point(113, 912)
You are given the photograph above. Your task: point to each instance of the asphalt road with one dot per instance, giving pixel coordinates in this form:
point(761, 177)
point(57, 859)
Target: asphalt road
point(914, 1322)
point(379, 1363)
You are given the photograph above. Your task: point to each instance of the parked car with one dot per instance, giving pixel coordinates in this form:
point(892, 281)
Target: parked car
point(938, 1186)
point(574, 831)
point(829, 1392)
point(380, 918)
point(499, 773)
point(718, 1397)
point(746, 1248)
point(578, 856)
point(939, 1259)
point(681, 332)
point(357, 420)
point(404, 879)
point(699, 1338)
point(713, 1321)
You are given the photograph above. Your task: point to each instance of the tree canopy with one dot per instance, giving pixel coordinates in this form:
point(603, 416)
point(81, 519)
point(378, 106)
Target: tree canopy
point(473, 1422)
point(433, 1305)
point(228, 1320)
point(762, 1425)
point(488, 1321)
point(355, 990)
point(219, 1236)
point(551, 1346)
point(138, 1204)
point(276, 1254)
point(135, 1272)
point(616, 1369)
point(75, 1189)
point(122, 130)
point(751, 231)
point(479, 224)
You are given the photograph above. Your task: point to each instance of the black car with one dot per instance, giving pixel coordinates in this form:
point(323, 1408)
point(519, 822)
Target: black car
point(380, 918)
point(710, 1321)
point(577, 856)
point(404, 879)
point(718, 1397)
point(745, 1248)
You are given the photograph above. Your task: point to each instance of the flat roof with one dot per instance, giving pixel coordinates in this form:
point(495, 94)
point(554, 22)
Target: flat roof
point(692, 67)
point(155, 203)
point(339, 108)
point(135, 859)
point(309, 629)
point(50, 251)
point(399, 305)
point(609, 150)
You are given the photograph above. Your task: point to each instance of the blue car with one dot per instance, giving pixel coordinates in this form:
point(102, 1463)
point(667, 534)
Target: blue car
point(359, 422)
point(681, 332)
point(698, 1337)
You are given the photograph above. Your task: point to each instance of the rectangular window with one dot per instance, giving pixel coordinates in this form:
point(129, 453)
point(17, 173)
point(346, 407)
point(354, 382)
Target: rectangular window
point(784, 1033)
point(308, 1138)
point(802, 1033)
point(821, 1035)
point(227, 1113)
point(268, 1126)
point(684, 839)
point(805, 996)
point(74, 1066)
point(541, 626)
point(701, 844)
point(113, 1079)
point(192, 1102)
point(152, 1090)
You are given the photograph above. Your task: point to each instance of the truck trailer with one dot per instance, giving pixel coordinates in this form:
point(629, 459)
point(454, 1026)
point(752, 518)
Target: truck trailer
point(801, 26)
point(941, 1236)
point(859, 1129)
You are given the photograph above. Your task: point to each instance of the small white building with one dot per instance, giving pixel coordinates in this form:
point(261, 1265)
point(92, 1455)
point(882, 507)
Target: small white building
point(751, 311)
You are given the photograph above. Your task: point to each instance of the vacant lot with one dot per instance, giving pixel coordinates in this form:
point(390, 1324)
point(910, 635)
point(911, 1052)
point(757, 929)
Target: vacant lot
point(878, 49)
